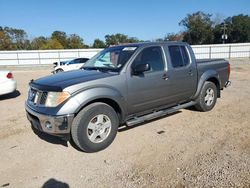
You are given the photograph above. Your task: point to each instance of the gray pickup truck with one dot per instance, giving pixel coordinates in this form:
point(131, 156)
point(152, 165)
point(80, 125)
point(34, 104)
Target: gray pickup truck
point(124, 85)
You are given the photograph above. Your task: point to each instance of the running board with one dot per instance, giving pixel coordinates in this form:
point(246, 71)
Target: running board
point(141, 119)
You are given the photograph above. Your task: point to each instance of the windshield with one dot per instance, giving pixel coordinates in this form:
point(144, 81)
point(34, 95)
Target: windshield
point(113, 58)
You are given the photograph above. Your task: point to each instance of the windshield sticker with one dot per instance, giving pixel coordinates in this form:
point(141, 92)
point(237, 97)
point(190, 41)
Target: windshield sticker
point(129, 48)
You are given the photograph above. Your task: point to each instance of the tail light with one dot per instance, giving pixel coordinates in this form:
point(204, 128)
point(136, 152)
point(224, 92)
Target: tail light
point(229, 70)
point(9, 75)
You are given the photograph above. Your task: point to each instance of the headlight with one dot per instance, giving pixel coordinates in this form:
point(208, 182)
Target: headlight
point(56, 98)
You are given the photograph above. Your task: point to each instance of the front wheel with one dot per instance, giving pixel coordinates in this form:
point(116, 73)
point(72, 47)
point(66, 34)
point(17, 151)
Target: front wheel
point(207, 98)
point(95, 127)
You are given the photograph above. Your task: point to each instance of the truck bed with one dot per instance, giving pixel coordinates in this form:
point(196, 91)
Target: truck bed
point(220, 65)
point(209, 60)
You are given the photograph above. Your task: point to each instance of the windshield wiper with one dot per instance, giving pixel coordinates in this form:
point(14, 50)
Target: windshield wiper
point(90, 68)
point(102, 69)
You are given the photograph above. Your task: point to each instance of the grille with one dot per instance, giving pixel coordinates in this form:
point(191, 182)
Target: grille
point(43, 98)
point(37, 97)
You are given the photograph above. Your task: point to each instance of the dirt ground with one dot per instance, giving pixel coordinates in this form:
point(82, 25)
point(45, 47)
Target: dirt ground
point(186, 149)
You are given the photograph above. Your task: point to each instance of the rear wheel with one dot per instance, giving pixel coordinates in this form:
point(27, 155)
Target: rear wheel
point(207, 98)
point(95, 127)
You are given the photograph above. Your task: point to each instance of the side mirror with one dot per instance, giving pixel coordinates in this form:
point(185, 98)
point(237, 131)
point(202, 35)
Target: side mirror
point(140, 68)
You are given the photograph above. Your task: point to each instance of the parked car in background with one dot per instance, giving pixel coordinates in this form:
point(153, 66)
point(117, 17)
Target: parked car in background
point(7, 82)
point(69, 65)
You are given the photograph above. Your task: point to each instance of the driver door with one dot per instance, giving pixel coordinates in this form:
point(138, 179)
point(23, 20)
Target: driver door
point(149, 89)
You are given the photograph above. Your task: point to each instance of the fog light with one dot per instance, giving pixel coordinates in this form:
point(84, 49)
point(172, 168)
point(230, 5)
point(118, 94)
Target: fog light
point(48, 125)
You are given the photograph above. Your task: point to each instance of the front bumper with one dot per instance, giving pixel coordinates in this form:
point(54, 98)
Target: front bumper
point(54, 125)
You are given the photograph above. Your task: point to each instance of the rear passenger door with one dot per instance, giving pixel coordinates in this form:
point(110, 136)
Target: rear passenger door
point(182, 74)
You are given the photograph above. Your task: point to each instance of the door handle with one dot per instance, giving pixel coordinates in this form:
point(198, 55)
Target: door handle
point(165, 76)
point(190, 72)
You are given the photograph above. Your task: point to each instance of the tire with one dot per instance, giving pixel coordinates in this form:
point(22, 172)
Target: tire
point(207, 98)
point(95, 127)
point(59, 70)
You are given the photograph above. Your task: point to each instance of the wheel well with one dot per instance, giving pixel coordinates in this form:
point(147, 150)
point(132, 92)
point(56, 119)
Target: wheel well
point(217, 84)
point(110, 102)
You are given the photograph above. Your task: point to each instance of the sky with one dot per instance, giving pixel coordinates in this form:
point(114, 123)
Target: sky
point(91, 19)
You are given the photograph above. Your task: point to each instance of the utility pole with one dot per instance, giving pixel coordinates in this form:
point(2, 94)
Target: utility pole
point(224, 36)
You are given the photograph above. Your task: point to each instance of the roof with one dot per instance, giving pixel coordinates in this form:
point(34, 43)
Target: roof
point(149, 43)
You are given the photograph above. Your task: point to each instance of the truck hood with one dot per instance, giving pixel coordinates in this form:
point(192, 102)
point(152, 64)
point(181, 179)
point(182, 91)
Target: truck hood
point(58, 82)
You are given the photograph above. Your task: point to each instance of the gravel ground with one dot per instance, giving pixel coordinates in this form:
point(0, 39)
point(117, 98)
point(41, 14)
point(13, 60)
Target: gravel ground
point(186, 149)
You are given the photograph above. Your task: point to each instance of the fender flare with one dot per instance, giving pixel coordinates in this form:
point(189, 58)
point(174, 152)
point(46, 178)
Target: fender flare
point(208, 75)
point(100, 93)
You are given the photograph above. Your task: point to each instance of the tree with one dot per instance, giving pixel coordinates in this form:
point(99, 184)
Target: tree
point(99, 44)
point(133, 40)
point(239, 28)
point(119, 39)
point(198, 28)
point(115, 39)
point(18, 38)
point(61, 37)
point(38, 43)
point(52, 44)
point(5, 41)
point(174, 36)
point(75, 42)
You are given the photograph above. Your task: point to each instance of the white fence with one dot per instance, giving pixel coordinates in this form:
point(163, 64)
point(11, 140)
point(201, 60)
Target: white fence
point(228, 51)
point(33, 57)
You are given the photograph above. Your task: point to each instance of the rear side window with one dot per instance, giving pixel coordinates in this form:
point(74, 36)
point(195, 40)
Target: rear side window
point(185, 55)
point(179, 56)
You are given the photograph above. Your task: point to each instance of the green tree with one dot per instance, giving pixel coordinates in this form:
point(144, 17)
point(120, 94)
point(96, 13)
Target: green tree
point(37, 43)
point(133, 40)
point(52, 44)
point(238, 28)
point(5, 41)
point(61, 37)
point(119, 39)
point(115, 39)
point(174, 36)
point(18, 37)
point(198, 28)
point(99, 44)
point(75, 42)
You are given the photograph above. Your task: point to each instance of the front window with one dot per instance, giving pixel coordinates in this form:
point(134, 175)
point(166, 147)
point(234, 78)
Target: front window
point(113, 58)
point(152, 56)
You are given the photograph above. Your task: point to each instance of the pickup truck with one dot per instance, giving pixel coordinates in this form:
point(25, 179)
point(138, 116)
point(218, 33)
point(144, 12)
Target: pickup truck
point(124, 85)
